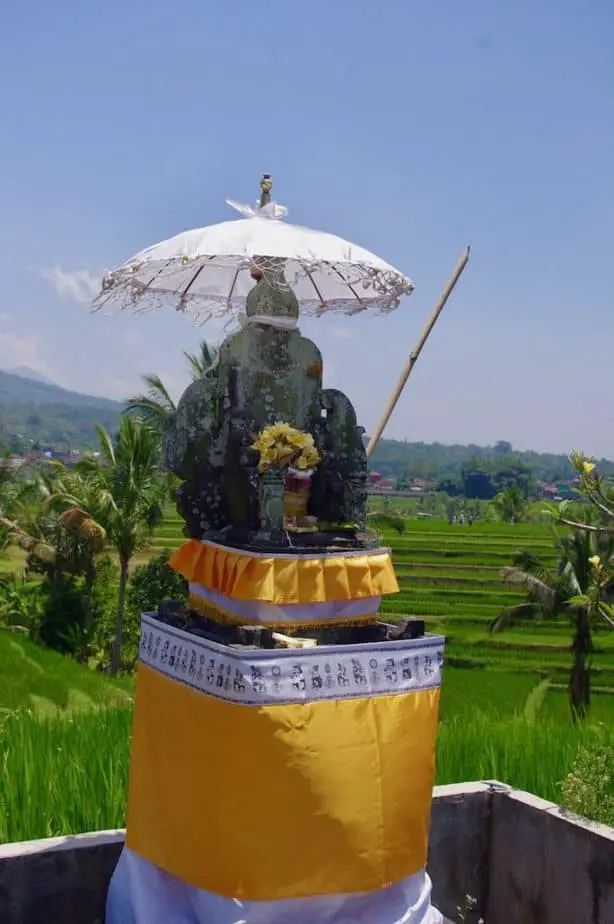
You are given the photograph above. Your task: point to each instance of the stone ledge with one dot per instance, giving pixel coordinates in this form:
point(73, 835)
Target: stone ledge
point(551, 808)
point(58, 844)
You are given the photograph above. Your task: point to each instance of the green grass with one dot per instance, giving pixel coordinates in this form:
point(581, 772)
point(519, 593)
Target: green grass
point(535, 758)
point(498, 694)
point(63, 776)
point(45, 682)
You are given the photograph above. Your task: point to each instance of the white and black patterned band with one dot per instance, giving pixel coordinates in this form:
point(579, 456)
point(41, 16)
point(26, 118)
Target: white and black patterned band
point(260, 676)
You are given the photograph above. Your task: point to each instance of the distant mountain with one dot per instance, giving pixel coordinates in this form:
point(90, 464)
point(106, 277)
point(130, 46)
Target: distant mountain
point(20, 389)
point(26, 373)
point(37, 411)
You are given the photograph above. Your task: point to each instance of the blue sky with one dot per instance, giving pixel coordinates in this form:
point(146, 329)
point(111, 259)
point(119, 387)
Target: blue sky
point(407, 126)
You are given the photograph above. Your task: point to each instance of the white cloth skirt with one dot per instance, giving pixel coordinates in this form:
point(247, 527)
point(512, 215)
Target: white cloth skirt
point(141, 893)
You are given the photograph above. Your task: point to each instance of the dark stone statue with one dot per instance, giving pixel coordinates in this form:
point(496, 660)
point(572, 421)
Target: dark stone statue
point(265, 373)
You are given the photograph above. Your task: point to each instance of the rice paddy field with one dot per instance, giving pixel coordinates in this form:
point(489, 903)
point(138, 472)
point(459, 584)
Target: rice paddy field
point(65, 731)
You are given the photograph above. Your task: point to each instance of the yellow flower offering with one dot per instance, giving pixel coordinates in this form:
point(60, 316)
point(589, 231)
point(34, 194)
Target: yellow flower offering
point(588, 467)
point(285, 446)
point(595, 561)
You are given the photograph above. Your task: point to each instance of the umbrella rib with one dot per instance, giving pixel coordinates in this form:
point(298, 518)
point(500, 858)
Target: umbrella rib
point(318, 293)
point(234, 282)
point(344, 280)
point(155, 275)
point(194, 278)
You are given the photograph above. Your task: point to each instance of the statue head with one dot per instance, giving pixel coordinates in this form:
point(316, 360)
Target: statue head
point(271, 297)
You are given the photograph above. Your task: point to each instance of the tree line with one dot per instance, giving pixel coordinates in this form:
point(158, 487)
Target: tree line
point(473, 471)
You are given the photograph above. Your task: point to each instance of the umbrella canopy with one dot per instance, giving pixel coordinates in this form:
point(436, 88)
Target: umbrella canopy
point(209, 271)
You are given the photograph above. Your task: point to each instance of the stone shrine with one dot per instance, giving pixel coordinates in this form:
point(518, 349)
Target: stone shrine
point(306, 724)
point(266, 373)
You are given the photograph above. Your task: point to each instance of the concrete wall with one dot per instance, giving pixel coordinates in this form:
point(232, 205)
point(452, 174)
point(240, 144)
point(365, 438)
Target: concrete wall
point(458, 845)
point(523, 859)
point(545, 866)
point(61, 880)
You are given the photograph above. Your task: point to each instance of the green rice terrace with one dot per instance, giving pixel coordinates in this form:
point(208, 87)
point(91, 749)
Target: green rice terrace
point(65, 730)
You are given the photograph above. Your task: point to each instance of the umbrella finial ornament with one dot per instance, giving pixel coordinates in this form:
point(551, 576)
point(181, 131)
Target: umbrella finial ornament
point(266, 184)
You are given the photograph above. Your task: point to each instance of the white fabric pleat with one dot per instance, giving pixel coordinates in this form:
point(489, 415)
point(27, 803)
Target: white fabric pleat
point(141, 893)
point(258, 611)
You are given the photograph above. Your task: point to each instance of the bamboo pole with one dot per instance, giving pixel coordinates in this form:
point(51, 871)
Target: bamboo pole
point(413, 357)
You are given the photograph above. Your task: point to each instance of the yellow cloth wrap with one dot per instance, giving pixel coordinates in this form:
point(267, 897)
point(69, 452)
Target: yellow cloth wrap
point(268, 802)
point(283, 578)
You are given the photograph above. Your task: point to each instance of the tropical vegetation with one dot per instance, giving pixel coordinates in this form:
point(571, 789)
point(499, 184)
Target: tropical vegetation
point(581, 585)
point(118, 496)
point(573, 588)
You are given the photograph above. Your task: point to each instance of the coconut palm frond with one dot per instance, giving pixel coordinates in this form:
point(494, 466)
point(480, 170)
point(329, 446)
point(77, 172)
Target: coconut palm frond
point(512, 615)
point(202, 361)
point(526, 561)
point(154, 413)
point(543, 592)
point(157, 389)
point(14, 528)
point(40, 549)
point(156, 407)
point(107, 450)
point(577, 551)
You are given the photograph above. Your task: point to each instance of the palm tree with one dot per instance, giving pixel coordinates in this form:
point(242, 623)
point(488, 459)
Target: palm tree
point(124, 495)
point(80, 512)
point(572, 589)
point(57, 551)
point(9, 489)
point(156, 406)
point(33, 522)
point(511, 504)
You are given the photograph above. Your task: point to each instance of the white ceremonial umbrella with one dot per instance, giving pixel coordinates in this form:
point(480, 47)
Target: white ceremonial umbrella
point(209, 271)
